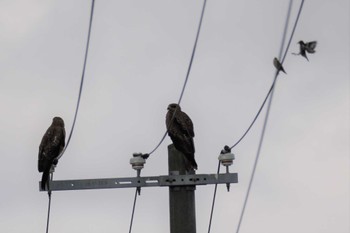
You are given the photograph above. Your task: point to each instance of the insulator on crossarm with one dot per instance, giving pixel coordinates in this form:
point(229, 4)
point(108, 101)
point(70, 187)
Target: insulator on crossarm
point(137, 162)
point(226, 159)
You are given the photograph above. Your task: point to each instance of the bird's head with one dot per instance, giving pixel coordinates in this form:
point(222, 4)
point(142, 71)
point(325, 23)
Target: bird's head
point(58, 121)
point(301, 42)
point(173, 107)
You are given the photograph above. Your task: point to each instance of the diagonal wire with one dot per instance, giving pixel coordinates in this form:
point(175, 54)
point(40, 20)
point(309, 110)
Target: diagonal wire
point(187, 74)
point(133, 211)
point(268, 111)
point(256, 116)
point(82, 79)
point(259, 111)
point(75, 115)
point(213, 202)
point(193, 52)
point(274, 81)
point(49, 204)
point(179, 101)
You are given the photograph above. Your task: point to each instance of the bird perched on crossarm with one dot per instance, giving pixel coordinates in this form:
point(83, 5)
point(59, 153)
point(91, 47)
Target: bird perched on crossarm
point(50, 148)
point(180, 130)
point(306, 47)
point(278, 65)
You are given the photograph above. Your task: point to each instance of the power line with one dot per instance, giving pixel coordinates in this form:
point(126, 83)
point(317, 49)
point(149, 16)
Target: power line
point(49, 205)
point(133, 211)
point(76, 111)
point(187, 74)
point(193, 52)
point(256, 116)
point(82, 79)
point(273, 84)
point(213, 202)
point(270, 92)
point(268, 110)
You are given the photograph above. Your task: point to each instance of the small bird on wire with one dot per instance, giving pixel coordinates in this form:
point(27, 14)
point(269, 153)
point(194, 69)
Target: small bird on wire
point(50, 148)
point(180, 130)
point(306, 47)
point(278, 65)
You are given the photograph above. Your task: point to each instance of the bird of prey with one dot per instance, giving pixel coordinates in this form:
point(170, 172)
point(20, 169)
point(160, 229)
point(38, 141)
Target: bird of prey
point(50, 148)
point(306, 47)
point(180, 130)
point(278, 65)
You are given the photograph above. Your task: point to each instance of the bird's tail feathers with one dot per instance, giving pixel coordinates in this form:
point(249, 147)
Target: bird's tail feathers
point(192, 162)
point(45, 177)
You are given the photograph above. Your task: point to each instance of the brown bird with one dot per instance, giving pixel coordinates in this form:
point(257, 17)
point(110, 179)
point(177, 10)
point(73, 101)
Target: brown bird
point(278, 65)
point(50, 148)
point(180, 130)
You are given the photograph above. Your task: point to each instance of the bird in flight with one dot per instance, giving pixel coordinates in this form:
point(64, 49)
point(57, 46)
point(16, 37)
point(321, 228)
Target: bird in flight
point(306, 47)
point(278, 65)
point(180, 130)
point(50, 148)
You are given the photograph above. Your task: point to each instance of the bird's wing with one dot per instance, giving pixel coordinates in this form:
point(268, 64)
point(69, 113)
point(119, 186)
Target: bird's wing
point(186, 124)
point(310, 46)
point(42, 150)
point(58, 140)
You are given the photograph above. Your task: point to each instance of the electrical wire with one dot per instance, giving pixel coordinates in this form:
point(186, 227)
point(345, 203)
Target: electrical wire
point(273, 84)
point(49, 204)
point(133, 210)
point(213, 202)
point(76, 112)
point(187, 74)
point(268, 111)
point(256, 116)
point(82, 79)
point(270, 92)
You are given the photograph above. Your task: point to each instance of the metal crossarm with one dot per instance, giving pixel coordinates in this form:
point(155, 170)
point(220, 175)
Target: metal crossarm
point(151, 181)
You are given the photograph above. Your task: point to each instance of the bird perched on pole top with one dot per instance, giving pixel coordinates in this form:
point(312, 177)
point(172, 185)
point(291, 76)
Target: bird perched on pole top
point(278, 65)
point(306, 47)
point(50, 148)
point(180, 130)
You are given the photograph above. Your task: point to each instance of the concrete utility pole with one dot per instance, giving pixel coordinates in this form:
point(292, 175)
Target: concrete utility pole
point(181, 186)
point(181, 198)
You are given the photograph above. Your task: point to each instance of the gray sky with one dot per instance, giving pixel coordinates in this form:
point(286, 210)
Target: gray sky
point(138, 58)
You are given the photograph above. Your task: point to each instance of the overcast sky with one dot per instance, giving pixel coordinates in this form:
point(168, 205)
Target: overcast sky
point(138, 58)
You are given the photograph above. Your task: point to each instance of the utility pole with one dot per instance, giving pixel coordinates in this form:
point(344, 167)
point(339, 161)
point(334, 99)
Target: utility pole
point(181, 198)
point(181, 185)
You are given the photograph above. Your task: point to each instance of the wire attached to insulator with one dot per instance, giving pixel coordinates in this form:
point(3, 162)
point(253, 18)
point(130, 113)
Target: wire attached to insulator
point(133, 210)
point(268, 111)
point(75, 115)
point(187, 74)
point(49, 203)
point(82, 79)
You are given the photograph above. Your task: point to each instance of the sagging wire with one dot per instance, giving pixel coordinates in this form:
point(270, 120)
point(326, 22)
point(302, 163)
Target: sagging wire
point(270, 92)
point(274, 81)
point(187, 75)
point(145, 156)
point(75, 115)
point(268, 111)
point(82, 80)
